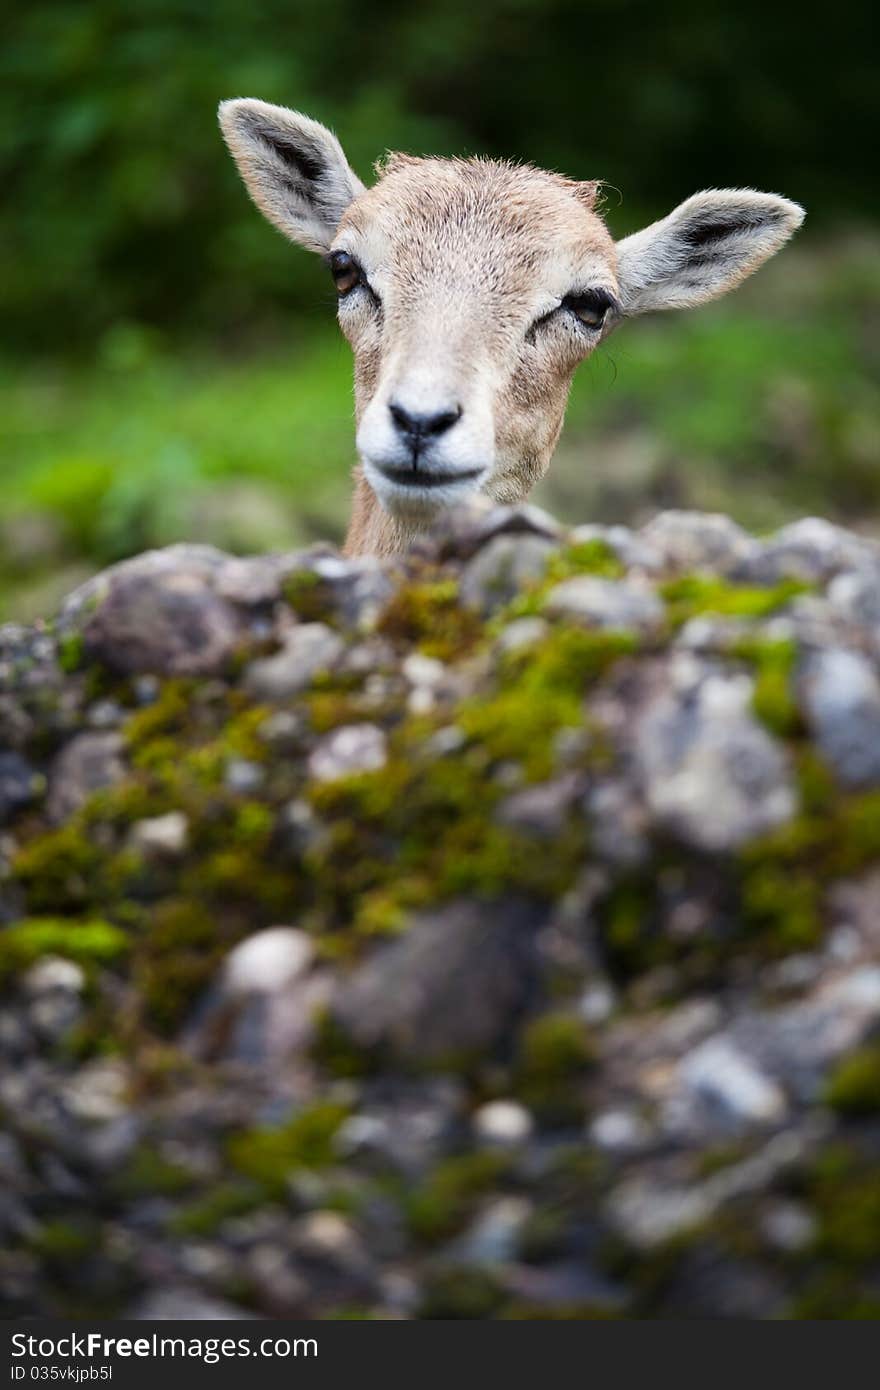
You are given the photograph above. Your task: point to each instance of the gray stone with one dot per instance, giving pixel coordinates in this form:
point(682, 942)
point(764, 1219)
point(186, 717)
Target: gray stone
point(710, 773)
point(505, 565)
point(541, 810)
point(688, 541)
point(183, 1303)
point(160, 614)
point(719, 1074)
point(856, 594)
point(162, 837)
point(521, 634)
point(461, 531)
point(503, 1122)
point(307, 649)
point(350, 749)
point(243, 776)
point(450, 984)
point(20, 784)
point(268, 962)
point(841, 696)
point(811, 550)
point(85, 765)
point(606, 603)
point(494, 1237)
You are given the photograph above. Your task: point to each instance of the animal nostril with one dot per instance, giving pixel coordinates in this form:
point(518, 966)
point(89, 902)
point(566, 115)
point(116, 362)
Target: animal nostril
point(422, 426)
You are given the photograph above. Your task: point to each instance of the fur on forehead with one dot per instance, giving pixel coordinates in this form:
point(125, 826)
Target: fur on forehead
point(516, 197)
point(475, 170)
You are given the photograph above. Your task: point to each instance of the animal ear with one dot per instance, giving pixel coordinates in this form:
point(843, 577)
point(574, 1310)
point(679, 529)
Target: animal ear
point(293, 168)
point(702, 249)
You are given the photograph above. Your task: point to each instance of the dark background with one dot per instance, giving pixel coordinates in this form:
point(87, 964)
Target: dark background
point(170, 367)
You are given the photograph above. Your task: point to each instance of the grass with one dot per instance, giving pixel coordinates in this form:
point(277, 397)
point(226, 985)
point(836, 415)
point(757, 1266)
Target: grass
point(766, 405)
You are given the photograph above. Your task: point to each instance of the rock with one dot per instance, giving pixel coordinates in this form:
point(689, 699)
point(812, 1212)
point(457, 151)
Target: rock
point(307, 649)
point(503, 1122)
point(504, 565)
point(20, 784)
point(688, 541)
point(461, 975)
point(160, 614)
point(179, 1303)
point(53, 973)
point(261, 1010)
point(718, 1074)
point(494, 1237)
point(268, 962)
point(856, 594)
point(348, 750)
point(710, 773)
point(520, 634)
point(85, 765)
point(841, 696)
point(244, 776)
point(606, 603)
point(161, 836)
point(541, 810)
point(811, 550)
point(464, 529)
point(449, 986)
point(619, 1131)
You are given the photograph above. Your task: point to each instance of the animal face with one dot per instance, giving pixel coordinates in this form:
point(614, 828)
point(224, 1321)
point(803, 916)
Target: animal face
point(471, 289)
point(469, 292)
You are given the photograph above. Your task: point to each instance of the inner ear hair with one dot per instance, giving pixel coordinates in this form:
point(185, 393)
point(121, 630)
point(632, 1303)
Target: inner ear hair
point(293, 167)
point(703, 248)
point(296, 154)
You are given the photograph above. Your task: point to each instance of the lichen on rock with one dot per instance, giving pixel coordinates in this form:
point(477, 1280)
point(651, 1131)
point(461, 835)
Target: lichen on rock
point(488, 932)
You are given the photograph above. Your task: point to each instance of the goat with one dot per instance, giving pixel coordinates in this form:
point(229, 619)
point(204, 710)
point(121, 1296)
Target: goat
point(470, 290)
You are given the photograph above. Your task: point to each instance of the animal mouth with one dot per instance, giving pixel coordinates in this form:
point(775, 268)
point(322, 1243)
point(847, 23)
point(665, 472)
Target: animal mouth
point(425, 479)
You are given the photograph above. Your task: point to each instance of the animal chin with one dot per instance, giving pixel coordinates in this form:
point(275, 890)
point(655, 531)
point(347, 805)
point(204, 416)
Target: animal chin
point(407, 490)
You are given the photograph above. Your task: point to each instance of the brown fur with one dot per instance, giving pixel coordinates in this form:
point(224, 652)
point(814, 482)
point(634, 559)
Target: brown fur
point(465, 310)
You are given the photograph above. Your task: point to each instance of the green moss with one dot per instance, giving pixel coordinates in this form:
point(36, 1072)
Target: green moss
point(222, 1203)
point(167, 715)
point(441, 1204)
point(555, 1055)
point(833, 1297)
point(176, 956)
point(854, 1087)
point(459, 1292)
point(309, 596)
point(63, 1241)
point(241, 735)
point(87, 942)
point(427, 614)
point(57, 869)
point(784, 875)
point(542, 692)
point(843, 1190)
point(70, 652)
point(773, 702)
point(560, 1312)
point(335, 1052)
point(693, 594)
point(782, 905)
point(148, 1173)
point(269, 1156)
point(594, 557)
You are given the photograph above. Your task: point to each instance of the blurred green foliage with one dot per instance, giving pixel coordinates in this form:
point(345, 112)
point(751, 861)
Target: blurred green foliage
point(171, 369)
point(120, 201)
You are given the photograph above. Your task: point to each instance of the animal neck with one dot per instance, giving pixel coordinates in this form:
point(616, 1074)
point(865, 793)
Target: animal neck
point(371, 530)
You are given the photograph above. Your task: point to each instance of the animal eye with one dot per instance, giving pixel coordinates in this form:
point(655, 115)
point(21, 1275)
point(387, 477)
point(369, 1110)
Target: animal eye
point(345, 271)
point(591, 307)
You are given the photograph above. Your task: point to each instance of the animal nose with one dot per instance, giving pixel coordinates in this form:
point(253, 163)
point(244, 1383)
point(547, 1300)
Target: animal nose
point(416, 427)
